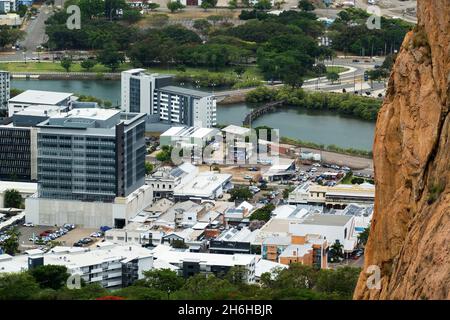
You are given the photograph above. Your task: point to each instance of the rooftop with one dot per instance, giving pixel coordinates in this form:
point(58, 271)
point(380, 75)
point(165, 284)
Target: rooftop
point(41, 97)
point(263, 266)
point(166, 253)
point(189, 132)
point(23, 187)
point(185, 91)
point(327, 219)
point(237, 130)
point(203, 184)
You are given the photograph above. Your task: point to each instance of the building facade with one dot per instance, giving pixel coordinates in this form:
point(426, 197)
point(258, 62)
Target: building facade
point(91, 155)
point(154, 95)
point(4, 90)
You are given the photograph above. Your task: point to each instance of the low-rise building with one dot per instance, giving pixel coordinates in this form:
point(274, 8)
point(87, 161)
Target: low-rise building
point(165, 179)
point(311, 250)
point(111, 266)
point(281, 171)
point(205, 186)
point(232, 241)
point(36, 97)
point(191, 263)
point(26, 189)
point(332, 227)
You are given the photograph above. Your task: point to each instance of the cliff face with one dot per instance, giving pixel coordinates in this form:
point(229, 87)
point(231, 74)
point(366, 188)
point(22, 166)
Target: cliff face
point(410, 232)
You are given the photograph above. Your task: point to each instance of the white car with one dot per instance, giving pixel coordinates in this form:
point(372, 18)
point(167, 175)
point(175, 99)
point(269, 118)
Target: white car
point(316, 165)
point(28, 224)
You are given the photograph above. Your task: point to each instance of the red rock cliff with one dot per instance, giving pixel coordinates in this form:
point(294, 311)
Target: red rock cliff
point(410, 233)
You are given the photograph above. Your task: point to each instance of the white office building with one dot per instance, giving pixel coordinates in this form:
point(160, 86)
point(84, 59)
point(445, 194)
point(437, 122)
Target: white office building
point(154, 95)
point(37, 97)
point(7, 6)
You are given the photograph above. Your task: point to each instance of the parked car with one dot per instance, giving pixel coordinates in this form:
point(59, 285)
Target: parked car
point(28, 224)
point(247, 177)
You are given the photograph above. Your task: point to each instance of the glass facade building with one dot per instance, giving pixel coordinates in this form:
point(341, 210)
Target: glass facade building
point(91, 155)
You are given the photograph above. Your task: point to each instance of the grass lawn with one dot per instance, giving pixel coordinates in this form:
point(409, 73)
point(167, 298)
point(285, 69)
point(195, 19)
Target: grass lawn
point(54, 67)
point(250, 73)
point(336, 69)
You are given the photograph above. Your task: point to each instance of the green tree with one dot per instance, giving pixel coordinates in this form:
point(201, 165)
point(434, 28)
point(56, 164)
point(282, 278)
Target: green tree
point(165, 155)
point(333, 77)
point(164, 280)
point(153, 6)
point(336, 252)
point(203, 26)
point(88, 64)
point(86, 292)
point(66, 63)
point(136, 292)
point(232, 4)
point(240, 193)
point(11, 244)
point(148, 168)
point(287, 191)
point(305, 5)
point(239, 70)
point(174, 6)
point(13, 199)
point(237, 275)
point(206, 5)
point(131, 15)
point(341, 281)
point(364, 236)
point(263, 5)
point(91, 8)
point(17, 286)
point(264, 213)
point(50, 276)
point(111, 57)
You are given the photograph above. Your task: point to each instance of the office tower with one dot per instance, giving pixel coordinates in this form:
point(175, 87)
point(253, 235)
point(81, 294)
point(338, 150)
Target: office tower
point(91, 154)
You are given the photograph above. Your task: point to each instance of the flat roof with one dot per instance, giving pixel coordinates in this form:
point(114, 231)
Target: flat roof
point(233, 129)
point(40, 110)
point(41, 97)
point(203, 184)
point(185, 91)
point(89, 113)
point(165, 253)
point(264, 265)
point(189, 132)
point(327, 219)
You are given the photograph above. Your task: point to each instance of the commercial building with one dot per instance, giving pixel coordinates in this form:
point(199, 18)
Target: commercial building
point(5, 88)
point(18, 143)
point(232, 241)
point(154, 95)
point(281, 171)
point(90, 168)
point(91, 154)
point(332, 227)
point(191, 263)
point(111, 266)
point(37, 97)
point(338, 196)
point(205, 186)
point(311, 250)
point(165, 179)
point(10, 19)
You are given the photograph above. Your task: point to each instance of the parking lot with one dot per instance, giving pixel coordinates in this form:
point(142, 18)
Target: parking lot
point(66, 240)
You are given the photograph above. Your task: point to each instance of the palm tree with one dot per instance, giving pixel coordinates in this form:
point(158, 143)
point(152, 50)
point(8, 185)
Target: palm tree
point(336, 251)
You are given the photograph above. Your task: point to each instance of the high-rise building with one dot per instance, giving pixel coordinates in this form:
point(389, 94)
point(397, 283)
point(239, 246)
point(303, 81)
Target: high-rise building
point(4, 90)
point(91, 154)
point(18, 143)
point(154, 95)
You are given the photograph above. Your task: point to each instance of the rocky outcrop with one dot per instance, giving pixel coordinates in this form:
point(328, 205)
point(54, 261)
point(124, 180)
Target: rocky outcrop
point(410, 234)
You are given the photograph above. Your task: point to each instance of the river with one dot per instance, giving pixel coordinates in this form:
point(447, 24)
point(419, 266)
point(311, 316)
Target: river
point(309, 125)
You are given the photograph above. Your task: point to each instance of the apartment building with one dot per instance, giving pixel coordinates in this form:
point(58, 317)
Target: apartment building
point(154, 95)
point(191, 263)
point(111, 266)
point(5, 83)
point(7, 6)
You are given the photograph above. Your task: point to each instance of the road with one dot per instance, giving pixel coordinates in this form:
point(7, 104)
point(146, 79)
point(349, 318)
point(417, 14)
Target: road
point(34, 37)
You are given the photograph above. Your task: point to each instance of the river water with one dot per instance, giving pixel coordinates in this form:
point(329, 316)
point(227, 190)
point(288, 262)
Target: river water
point(308, 125)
